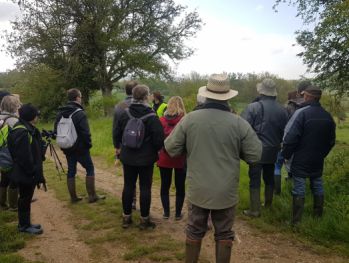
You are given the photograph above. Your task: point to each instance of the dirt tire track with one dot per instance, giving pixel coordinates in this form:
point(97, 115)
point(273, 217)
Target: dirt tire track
point(60, 242)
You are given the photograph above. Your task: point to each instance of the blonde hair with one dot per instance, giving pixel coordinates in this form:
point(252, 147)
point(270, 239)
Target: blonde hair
point(10, 104)
point(175, 106)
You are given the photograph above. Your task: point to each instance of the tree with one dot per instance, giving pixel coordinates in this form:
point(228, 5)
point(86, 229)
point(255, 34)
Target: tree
point(326, 46)
point(97, 43)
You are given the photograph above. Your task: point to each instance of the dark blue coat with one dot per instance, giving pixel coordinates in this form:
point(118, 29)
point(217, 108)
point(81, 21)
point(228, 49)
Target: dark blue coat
point(309, 136)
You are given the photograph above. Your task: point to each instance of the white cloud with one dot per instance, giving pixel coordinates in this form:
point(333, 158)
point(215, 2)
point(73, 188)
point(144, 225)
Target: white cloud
point(227, 47)
point(8, 11)
point(259, 8)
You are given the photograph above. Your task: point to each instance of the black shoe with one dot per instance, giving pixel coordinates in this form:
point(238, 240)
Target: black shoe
point(166, 216)
point(31, 230)
point(146, 223)
point(126, 221)
point(179, 217)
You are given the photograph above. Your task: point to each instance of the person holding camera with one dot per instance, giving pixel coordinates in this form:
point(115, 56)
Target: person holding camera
point(28, 153)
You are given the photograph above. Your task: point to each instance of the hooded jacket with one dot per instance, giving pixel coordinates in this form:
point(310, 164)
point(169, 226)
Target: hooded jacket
point(83, 142)
point(118, 111)
point(28, 153)
point(309, 136)
point(153, 137)
point(168, 123)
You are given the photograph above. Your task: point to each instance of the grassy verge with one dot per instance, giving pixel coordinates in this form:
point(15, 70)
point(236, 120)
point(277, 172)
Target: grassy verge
point(99, 226)
point(10, 240)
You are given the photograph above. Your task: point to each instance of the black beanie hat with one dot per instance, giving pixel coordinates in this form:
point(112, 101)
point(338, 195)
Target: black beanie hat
point(28, 112)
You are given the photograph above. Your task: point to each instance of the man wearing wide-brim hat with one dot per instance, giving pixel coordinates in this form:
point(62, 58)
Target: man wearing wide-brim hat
point(268, 119)
point(309, 136)
point(214, 140)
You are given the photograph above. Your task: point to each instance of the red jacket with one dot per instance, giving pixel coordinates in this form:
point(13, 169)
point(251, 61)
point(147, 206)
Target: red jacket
point(165, 160)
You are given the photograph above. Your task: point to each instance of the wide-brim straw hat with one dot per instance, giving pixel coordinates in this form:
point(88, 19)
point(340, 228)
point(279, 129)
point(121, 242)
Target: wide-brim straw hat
point(267, 87)
point(218, 88)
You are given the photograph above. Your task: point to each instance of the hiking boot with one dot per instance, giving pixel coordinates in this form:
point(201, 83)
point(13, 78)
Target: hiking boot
point(277, 184)
point(3, 198)
point(255, 203)
point(146, 223)
point(192, 250)
point(126, 221)
point(90, 187)
point(13, 199)
point(268, 196)
point(31, 230)
point(72, 190)
point(297, 210)
point(223, 251)
point(318, 205)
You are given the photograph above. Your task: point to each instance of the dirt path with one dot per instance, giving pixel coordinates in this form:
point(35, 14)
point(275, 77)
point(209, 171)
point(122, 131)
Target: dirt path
point(59, 243)
point(250, 245)
point(60, 239)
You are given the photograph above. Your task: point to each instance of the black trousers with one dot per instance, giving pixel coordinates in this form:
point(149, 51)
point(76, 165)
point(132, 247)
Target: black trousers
point(166, 180)
point(26, 192)
point(6, 182)
point(255, 172)
point(131, 174)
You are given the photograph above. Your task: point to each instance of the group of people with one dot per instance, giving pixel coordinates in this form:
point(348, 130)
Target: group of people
point(202, 148)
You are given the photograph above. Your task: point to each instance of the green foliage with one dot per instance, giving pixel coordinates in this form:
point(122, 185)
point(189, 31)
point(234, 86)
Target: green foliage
point(97, 43)
point(325, 45)
point(44, 87)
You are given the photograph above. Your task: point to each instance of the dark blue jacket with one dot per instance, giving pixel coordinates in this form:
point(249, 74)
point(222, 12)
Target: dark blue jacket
point(309, 136)
point(268, 119)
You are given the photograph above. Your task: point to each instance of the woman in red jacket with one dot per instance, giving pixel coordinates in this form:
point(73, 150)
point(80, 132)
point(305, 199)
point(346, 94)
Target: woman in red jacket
point(174, 113)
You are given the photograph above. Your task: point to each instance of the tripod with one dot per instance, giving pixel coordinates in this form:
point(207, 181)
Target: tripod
point(54, 155)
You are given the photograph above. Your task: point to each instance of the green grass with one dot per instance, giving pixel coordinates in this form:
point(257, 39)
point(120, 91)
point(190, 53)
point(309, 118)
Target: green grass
point(10, 239)
point(99, 226)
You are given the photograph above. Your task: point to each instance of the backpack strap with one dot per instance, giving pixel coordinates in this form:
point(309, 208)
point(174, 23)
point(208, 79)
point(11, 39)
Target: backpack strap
point(21, 126)
point(127, 110)
point(71, 115)
point(147, 116)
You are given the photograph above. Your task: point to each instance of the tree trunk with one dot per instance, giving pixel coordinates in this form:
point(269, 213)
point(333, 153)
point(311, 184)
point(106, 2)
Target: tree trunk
point(108, 102)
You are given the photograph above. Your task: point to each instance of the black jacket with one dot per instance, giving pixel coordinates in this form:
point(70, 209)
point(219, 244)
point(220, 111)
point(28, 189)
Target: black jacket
point(28, 153)
point(83, 142)
point(118, 111)
point(153, 138)
point(268, 119)
point(309, 136)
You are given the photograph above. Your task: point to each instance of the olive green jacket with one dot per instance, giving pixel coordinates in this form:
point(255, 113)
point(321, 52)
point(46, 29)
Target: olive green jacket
point(214, 141)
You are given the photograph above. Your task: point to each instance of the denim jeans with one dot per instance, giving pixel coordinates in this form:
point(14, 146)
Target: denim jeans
point(255, 172)
point(222, 220)
point(278, 164)
point(299, 184)
point(85, 161)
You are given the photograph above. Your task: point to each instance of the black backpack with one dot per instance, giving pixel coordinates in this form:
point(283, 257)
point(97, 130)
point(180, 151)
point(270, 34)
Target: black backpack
point(133, 135)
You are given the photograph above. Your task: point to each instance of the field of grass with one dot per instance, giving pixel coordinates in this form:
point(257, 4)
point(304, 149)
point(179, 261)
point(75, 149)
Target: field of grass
point(10, 239)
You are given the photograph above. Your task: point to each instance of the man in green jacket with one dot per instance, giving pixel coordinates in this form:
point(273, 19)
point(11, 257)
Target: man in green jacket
point(214, 140)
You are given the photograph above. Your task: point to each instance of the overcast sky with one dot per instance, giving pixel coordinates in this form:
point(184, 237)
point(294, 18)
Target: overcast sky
point(238, 36)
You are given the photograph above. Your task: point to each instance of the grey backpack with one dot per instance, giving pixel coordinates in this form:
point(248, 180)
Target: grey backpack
point(133, 135)
point(66, 132)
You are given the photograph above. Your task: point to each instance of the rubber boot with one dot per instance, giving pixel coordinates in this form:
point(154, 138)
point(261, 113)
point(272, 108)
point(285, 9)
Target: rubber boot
point(3, 198)
point(146, 223)
point(268, 196)
point(277, 184)
point(297, 211)
point(179, 206)
point(255, 203)
point(318, 205)
point(72, 190)
point(165, 200)
point(90, 187)
point(223, 251)
point(192, 250)
point(13, 199)
point(126, 221)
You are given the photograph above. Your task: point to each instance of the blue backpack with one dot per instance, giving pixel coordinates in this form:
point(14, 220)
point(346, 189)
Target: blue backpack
point(133, 135)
